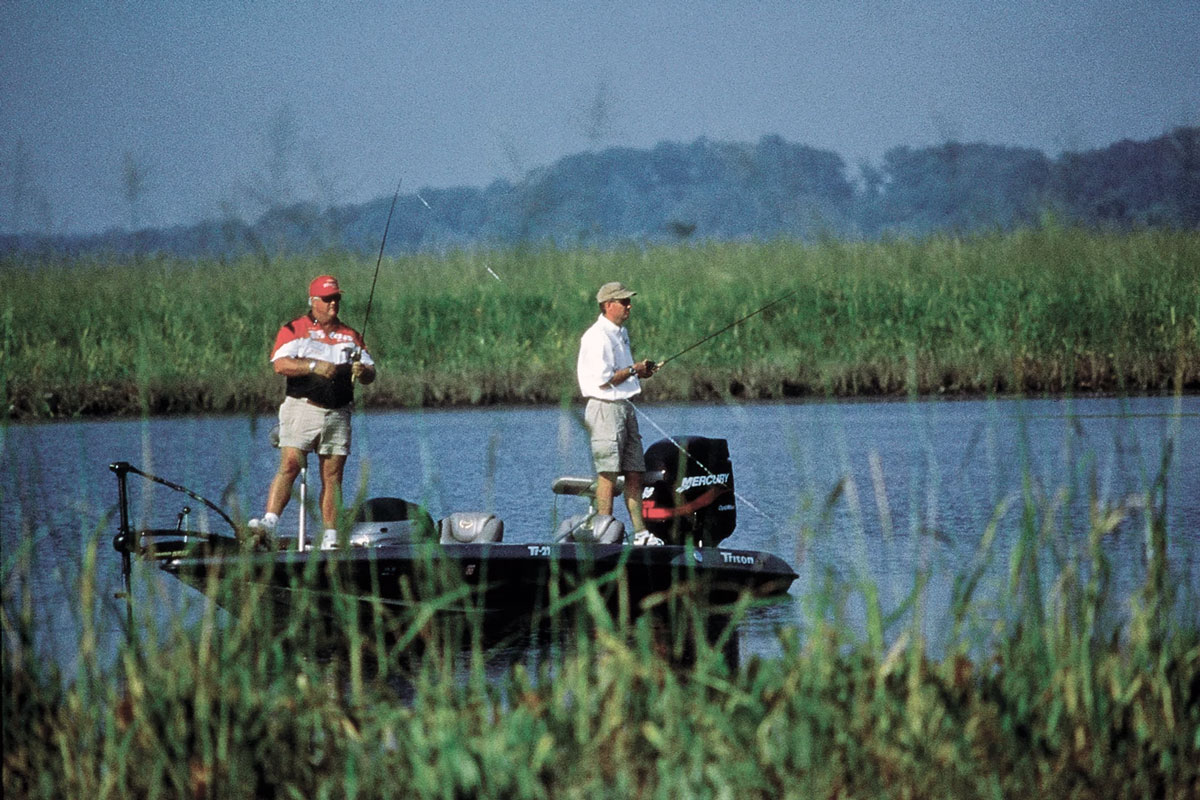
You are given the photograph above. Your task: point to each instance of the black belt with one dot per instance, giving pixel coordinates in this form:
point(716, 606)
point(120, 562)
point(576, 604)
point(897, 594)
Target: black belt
point(318, 405)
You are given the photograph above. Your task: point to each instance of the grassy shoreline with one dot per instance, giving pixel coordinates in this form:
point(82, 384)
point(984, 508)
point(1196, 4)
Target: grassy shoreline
point(1049, 310)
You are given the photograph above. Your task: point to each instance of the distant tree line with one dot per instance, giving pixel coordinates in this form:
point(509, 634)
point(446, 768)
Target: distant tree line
point(721, 190)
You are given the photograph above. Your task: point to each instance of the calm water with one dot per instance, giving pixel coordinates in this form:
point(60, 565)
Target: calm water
point(919, 484)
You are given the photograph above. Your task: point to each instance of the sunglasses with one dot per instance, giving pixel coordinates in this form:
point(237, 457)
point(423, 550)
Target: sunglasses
point(624, 301)
point(333, 298)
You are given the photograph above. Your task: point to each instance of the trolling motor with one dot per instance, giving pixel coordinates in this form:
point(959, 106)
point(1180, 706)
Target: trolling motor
point(128, 541)
point(689, 491)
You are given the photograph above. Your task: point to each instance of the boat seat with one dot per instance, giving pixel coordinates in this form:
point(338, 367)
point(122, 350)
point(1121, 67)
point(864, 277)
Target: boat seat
point(598, 528)
point(466, 527)
point(382, 521)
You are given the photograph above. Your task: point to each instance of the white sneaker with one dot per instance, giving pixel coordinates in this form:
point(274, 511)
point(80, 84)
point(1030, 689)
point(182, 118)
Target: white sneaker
point(265, 525)
point(646, 538)
point(329, 539)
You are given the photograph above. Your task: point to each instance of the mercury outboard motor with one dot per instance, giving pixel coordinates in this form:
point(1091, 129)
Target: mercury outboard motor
point(689, 491)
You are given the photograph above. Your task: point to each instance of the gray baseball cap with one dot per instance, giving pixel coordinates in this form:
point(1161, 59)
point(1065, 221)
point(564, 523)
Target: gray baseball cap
point(613, 291)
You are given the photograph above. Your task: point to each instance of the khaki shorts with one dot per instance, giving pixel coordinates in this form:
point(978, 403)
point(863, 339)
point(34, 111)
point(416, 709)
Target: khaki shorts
point(309, 428)
point(616, 441)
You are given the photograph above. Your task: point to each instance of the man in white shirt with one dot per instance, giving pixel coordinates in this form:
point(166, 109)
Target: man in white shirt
point(608, 378)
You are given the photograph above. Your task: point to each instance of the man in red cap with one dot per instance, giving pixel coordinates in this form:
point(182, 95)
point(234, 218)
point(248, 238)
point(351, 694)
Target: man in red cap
point(321, 357)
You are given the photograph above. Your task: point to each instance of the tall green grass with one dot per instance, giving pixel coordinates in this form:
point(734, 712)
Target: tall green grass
point(1050, 309)
point(1052, 701)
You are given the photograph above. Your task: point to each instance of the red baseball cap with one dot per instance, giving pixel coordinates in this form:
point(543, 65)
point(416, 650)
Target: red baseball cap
point(323, 286)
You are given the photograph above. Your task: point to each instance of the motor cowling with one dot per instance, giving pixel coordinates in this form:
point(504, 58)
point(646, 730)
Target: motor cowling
point(689, 492)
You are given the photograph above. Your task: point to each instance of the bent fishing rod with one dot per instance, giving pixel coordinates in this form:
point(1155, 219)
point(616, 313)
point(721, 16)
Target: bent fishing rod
point(736, 322)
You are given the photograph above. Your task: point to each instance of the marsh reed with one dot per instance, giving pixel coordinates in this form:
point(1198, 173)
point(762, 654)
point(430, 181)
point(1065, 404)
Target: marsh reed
point(1045, 310)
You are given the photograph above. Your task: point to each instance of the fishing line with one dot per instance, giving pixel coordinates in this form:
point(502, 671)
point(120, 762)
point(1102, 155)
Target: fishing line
point(776, 301)
point(671, 439)
point(697, 462)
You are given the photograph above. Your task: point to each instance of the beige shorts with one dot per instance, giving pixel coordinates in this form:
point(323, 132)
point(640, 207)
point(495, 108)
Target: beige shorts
point(309, 428)
point(616, 441)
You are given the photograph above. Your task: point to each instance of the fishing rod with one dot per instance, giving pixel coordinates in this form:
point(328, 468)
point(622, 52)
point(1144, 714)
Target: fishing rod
point(378, 261)
point(776, 301)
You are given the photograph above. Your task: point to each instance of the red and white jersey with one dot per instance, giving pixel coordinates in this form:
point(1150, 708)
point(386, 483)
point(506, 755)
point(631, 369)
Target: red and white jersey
point(338, 344)
point(304, 338)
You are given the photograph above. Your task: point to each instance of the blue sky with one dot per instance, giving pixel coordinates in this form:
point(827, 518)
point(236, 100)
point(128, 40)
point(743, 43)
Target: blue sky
point(215, 106)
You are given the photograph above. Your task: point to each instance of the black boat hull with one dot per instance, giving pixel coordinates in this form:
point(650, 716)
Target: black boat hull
point(483, 576)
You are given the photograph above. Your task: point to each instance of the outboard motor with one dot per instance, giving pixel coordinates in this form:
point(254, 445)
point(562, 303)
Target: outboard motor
point(689, 491)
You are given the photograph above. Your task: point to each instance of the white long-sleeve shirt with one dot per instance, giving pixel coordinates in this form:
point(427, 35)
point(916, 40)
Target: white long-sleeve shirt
point(604, 349)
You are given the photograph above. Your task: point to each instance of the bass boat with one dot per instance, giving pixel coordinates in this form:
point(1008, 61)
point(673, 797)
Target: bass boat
point(396, 554)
